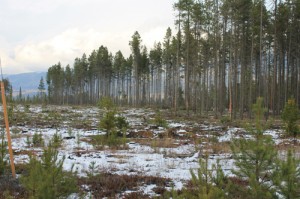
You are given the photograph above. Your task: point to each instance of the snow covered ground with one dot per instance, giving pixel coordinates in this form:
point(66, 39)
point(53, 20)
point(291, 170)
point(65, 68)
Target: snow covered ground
point(141, 158)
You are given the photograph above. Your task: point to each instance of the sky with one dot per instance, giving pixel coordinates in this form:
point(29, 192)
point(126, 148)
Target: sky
point(36, 34)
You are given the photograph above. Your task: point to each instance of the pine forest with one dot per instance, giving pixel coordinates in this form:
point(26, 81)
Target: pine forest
point(222, 56)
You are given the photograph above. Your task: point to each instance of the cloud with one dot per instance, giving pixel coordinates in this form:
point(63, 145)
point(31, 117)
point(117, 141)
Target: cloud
point(154, 36)
point(34, 6)
point(37, 34)
point(64, 48)
point(69, 44)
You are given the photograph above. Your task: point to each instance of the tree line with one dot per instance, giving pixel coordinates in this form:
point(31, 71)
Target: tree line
point(223, 55)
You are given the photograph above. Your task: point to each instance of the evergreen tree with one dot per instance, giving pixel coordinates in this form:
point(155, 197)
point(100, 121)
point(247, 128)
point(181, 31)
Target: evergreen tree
point(168, 61)
point(287, 177)
point(20, 97)
point(55, 81)
point(290, 116)
point(68, 82)
point(92, 75)
point(42, 90)
point(113, 125)
point(155, 58)
point(208, 182)
point(255, 158)
point(135, 45)
point(46, 178)
point(104, 72)
point(119, 68)
point(144, 75)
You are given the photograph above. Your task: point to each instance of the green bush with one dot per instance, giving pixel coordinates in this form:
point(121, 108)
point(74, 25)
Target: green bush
point(108, 122)
point(159, 121)
point(114, 126)
point(92, 171)
point(225, 120)
point(207, 184)
point(106, 103)
point(287, 177)
point(255, 159)
point(46, 178)
point(27, 108)
point(11, 113)
point(121, 123)
point(290, 116)
point(56, 140)
point(112, 140)
point(54, 117)
point(37, 140)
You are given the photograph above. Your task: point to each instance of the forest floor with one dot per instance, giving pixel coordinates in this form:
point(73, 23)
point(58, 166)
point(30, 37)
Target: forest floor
point(154, 158)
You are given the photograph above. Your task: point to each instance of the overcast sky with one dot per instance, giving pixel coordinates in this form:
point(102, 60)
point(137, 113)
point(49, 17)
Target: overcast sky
point(36, 34)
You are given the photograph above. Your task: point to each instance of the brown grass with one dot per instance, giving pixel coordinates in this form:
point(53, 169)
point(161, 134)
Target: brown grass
point(11, 188)
point(156, 142)
point(112, 185)
point(136, 195)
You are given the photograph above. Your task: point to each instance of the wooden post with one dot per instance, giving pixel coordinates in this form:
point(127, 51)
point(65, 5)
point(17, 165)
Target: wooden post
point(11, 156)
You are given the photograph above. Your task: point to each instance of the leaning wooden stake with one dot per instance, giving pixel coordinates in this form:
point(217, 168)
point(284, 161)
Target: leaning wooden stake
point(11, 155)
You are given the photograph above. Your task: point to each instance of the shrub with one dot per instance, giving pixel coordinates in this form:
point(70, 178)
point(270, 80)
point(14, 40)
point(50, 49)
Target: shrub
point(108, 122)
point(115, 126)
point(225, 120)
point(10, 113)
point(159, 121)
point(255, 158)
point(121, 124)
point(46, 178)
point(106, 103)
point(27, 108)
point(56, 140)
point(91, 172)
point(287, 177)
point(37, 140)
point(206, 184)
point(112, 140)
point(290, 116)
point(54, 117)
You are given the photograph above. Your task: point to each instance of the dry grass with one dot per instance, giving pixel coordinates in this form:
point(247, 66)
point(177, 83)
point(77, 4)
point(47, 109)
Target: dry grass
point(28, 152)
point(140, 134)
point(102, 142)
point(287, 145)
point(157, 142)
point(113, 185)
point(164, 143)
point(136, 195)
point(11, 188)
point(222, 147)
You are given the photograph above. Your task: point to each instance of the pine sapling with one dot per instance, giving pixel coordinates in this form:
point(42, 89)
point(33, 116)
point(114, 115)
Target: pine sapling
point(255, 158)
point(290, 116)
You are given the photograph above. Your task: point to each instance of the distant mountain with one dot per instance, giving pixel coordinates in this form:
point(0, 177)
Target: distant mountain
point(29, 82)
